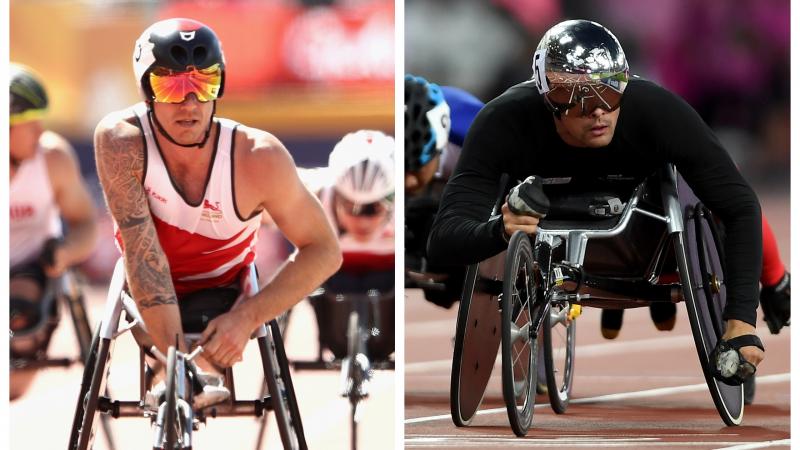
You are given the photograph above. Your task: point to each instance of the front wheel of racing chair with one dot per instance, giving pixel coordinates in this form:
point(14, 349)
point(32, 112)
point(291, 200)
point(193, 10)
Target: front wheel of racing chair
point(699, 252)
point(558, 336)
point(170, 424)
point(521, 318)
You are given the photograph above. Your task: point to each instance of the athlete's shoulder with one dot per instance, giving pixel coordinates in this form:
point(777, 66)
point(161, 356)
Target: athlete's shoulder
point(58, 152)
point(644, 91)
point(260, 153)
point(118, 126)
point(521, 96)
point(645, 100)
point(256, 142)
point(520, 103)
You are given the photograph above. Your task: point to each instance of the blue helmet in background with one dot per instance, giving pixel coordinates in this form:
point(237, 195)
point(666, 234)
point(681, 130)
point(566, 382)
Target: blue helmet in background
point(427, 122)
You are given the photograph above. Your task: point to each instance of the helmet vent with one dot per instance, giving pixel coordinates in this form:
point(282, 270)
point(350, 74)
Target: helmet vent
point(179, 55)
point(199, 56)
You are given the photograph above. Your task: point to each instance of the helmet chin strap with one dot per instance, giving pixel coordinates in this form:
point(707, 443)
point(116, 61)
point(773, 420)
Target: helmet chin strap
point(169, 138)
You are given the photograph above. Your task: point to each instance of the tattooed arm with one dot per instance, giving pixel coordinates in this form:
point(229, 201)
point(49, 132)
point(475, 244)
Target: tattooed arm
point(119, 153)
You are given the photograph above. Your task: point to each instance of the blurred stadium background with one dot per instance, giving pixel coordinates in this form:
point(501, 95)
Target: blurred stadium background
point(307, 71)
point(729, 60)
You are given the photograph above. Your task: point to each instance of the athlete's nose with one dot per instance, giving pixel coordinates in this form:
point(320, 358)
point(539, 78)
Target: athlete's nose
point(597, 112)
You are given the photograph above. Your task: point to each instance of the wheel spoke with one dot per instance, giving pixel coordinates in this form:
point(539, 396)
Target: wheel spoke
point(520, 387)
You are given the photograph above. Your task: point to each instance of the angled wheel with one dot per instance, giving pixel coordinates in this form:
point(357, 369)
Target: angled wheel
point(558, 342)
point(281, 390)
point(519, 342)
point(700, 263)
point(477, 338)
point(86, 382)
point(93, 384)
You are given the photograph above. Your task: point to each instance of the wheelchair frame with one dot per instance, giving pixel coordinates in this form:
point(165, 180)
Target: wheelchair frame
point(94, 400)
point(552, 288)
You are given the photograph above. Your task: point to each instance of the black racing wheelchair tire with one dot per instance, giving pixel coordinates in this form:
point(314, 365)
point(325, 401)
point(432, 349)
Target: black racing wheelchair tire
point(519, 361)
point(283, 399)
point(86, 382)
point(87, 412)
point(699, 254)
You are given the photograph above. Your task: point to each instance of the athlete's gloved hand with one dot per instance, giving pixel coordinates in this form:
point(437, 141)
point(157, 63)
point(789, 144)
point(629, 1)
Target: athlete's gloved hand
point(525, 206)
point(528, 198)
point(776, 306)
point(728, 364)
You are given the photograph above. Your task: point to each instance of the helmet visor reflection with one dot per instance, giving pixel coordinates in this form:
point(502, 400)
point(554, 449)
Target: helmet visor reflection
point(362, 210)
point(172, 87)
point(581, 99)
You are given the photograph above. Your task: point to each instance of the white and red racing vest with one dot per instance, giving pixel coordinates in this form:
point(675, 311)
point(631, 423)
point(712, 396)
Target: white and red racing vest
point(33, 215)
point(208, 244)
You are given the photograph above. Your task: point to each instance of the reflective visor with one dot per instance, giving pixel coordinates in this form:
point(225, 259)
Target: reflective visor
point(362, 210)
point(173, 87)
point(580, 99)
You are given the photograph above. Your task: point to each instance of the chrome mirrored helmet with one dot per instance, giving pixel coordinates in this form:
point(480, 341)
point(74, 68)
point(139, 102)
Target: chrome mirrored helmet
point(580, 66)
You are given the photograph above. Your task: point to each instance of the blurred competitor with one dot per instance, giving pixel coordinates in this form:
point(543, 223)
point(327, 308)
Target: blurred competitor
point(186, 191)
point(436, 122)
point(357, 194)
point(46, 187)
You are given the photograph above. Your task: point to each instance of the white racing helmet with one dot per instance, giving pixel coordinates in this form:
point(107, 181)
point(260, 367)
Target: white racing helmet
point(362, 165)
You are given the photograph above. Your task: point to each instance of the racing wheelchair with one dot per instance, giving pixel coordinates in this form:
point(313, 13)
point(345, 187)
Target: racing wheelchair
point(32, 324)
point(355, 319)
point(176, 418)
point(530, 295)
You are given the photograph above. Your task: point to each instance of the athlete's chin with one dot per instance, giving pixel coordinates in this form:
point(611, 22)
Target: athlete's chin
point(598, 141)
point(189, 137)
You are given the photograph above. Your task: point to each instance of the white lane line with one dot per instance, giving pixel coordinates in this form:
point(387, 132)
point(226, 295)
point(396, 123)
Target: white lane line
point(588, 441)
point(583, 351)
point(763, 444)
point(766, 379)
point(431, 328)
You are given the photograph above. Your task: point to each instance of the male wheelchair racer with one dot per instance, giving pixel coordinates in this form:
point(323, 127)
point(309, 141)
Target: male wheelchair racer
point(591, 250)
point(354, 310)
point(176, 418)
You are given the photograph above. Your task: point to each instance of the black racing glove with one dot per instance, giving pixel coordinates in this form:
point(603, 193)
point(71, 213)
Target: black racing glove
point(528, 198)
point(727, 363)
